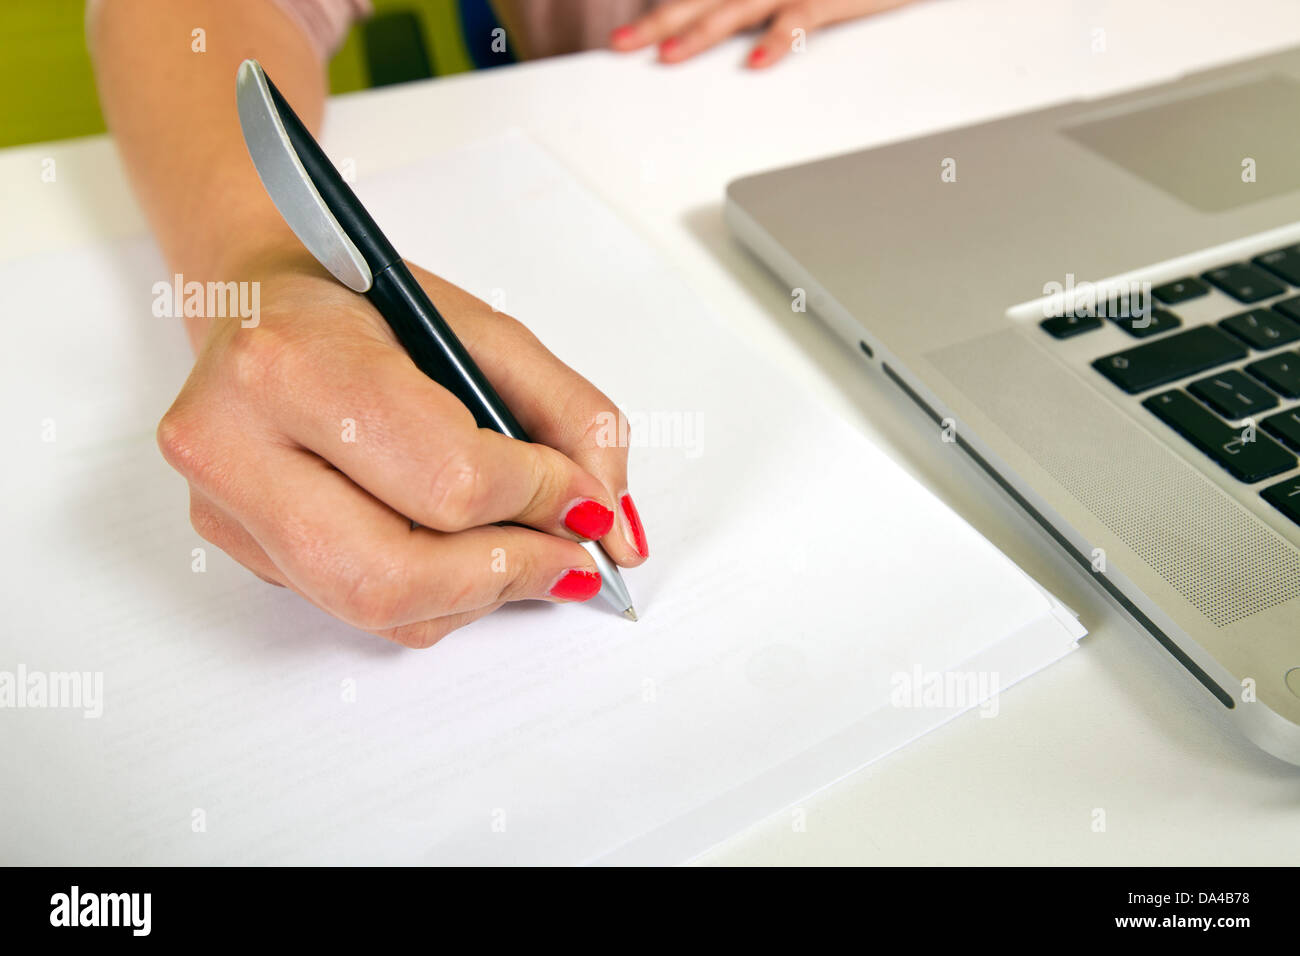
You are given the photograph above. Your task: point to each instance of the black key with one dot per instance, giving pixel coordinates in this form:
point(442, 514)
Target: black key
point(1284, 425)
point(1180, 290)
point(1064, 326)
point(1281, 373)
point(1124, 304)
point(1262, 328)
point(1283, 263)
point(1170, 358)
point(1288, 307)
point(1285, 497)
point(1245, 283)
point(1233, 395)
point(1248, 461)
point(1157, 321)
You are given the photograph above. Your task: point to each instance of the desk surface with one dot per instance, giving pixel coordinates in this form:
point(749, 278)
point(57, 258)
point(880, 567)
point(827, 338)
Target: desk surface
point(1117, 726)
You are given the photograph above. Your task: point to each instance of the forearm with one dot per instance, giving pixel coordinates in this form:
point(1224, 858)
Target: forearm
point(172, 112)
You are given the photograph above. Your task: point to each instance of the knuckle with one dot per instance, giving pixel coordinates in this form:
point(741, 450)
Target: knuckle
point(455, 490)
point(516, 332)
point(796, 14)
point(207, 522)
point(256, 358)
point(603, 429)
point(660, 20)
point(518, 584)
point(421, 636)
point(370, 598)
point(586, 413)
point(712, 25)
point(601, 444)
point(549, 479)
point(182, 444)
point(172, 436)
point(455, 590)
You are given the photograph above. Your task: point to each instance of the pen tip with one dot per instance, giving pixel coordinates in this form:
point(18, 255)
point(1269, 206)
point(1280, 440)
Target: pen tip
point(630, 614)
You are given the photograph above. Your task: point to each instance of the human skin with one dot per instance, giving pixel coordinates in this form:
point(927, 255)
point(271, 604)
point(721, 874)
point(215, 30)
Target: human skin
point(684, 28)
point(258, 430)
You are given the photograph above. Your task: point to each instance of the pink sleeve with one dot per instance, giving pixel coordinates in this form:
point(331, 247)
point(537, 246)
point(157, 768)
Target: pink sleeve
point(552, 27)
point(325, 22)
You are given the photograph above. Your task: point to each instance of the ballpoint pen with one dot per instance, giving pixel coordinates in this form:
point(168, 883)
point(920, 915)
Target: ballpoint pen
point(331, 222)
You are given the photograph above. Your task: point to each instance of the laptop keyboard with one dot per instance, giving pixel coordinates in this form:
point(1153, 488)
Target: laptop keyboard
point(1240, 410)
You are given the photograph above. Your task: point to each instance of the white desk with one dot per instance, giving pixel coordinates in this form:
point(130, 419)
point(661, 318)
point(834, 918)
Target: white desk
point(1117, 725)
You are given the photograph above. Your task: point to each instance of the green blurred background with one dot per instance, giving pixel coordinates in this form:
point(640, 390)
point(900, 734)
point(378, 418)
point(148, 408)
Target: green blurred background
point(46, 39)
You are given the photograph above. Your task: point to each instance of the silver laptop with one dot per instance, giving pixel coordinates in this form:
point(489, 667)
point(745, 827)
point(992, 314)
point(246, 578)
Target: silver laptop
point(1100, 302)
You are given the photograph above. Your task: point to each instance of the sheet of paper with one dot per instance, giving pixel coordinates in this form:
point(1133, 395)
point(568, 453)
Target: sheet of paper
point(797, 576)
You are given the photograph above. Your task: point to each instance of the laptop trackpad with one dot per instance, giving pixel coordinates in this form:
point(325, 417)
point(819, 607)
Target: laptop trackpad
point(1215, 151)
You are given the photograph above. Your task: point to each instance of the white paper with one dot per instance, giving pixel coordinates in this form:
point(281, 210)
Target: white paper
point(795, 571)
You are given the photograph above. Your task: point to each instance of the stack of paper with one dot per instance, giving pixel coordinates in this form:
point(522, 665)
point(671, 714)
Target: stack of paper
point(807, 607)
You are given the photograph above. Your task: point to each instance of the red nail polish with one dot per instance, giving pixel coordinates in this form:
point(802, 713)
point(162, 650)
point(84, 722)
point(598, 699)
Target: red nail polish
point(622, 34)
point(757, 56)
point(672, 43)
point(634, 526)
point(577, 584)
point(589, 518)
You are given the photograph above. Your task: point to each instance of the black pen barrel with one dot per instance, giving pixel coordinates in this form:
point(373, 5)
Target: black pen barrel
point(436, 350)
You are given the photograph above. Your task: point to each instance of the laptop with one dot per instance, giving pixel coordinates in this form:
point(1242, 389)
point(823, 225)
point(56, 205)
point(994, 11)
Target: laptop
point(1100, 303)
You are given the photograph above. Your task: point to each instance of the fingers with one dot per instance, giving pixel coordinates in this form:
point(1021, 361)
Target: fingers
point(714, 26)
point(358, 559)
point(557, 407)
point(778, 39)
point(562, 409)
point(413, 445)
point(807, 15)
point(216, 527)
point(425, 634)
point(684, 28)
point(663, 22)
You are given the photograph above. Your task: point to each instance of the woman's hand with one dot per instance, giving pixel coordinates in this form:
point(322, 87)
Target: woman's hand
point(311, 441)
point(683, 28)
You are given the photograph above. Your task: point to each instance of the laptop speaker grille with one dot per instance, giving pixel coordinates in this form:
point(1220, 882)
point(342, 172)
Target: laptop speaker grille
point(1207, 547)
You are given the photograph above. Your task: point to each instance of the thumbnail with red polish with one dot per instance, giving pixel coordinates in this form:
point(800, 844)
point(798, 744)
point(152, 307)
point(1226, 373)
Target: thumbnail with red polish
point(634, 526)
point(576, 584)
point(589, 519)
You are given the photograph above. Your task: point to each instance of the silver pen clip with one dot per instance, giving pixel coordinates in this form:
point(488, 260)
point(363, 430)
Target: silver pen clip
point(289, 185)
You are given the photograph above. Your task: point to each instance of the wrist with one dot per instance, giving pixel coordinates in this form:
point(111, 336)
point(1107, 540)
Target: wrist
point(257, 252)
point(240, 278)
